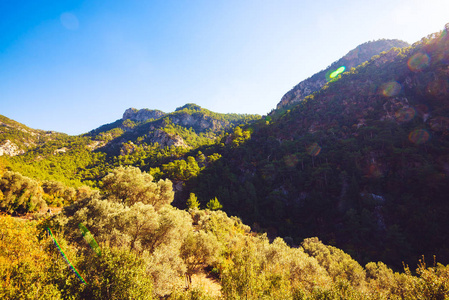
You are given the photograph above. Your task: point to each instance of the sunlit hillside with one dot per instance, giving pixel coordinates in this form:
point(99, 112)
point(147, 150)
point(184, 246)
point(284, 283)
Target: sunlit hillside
point(340, 194)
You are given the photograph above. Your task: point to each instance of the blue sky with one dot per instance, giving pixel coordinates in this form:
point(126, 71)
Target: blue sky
point(72, 66)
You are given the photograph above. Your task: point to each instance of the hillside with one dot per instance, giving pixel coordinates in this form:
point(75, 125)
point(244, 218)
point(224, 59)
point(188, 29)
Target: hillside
point(362, 163)
point(354, 173)
point(128, 242)
point(354, 159)
point(16, 138)
point(351, 60)
point(144, 138)
point(189, 126)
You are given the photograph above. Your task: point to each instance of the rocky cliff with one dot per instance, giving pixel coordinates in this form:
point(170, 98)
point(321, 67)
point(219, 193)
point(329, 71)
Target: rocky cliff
point(142, 115)
point(199, 122)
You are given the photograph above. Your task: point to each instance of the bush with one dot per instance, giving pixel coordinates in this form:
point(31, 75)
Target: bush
point(20, 194)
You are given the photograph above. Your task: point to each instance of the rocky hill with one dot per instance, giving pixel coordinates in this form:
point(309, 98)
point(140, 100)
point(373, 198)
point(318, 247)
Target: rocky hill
point(351, 60)
point(16, 138)
point(188, 126)
point(144, 138)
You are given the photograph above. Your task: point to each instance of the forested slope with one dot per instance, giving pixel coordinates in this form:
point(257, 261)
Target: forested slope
point(352, 59)
point(362, 163)
point(128, 242)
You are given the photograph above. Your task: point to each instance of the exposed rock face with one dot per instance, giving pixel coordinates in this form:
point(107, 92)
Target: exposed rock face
point(198, 122)
point(9, 148)
point(166, 140)
point(142, 115)
point(300, 91)
point(354, 58)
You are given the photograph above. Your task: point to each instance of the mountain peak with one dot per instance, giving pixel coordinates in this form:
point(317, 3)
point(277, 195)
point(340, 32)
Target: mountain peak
point(142, 115)
point(190, 106)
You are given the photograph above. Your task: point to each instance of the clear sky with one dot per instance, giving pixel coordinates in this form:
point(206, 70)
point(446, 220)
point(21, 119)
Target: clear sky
point(72, 66)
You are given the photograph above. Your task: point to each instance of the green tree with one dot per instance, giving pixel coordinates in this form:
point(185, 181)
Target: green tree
point(199, 249)
point(130, 185)
point(214, 204)
point(116, 274)
point(20, 194)
point(192, 202)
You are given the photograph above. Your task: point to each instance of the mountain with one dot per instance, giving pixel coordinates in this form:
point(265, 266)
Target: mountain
point(188, 126)
point(16, 138)
point(362, 163)
point(145, 138)
point(351, 60)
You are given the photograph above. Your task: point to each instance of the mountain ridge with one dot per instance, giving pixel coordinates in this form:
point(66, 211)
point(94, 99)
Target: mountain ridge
point(352, 59)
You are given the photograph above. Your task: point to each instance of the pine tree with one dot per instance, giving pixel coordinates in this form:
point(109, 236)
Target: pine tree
point(192, 202)
point(214, 204)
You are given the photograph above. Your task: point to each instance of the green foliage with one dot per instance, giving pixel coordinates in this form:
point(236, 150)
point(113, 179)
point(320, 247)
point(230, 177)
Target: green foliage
point(182, 169)
point(65, 159)
point(236, 119)
point(20, 194)
point(239, 136)
point(58, 194)
point(130, 185)
point(147, 252)
point(338, 264)
point(116, 274)
point(342, 165)
point(345, 164)
point(214, 204)
point(192, 202)
point(199, 248)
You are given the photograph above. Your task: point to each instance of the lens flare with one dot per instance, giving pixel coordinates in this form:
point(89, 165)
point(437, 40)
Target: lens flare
point(291, 160)
point(65, 257)
point(418, 62)
point(337, 72)
point(90, 239)
point(438, 87)
point(439, 123)
point(405, 114)
point(314, 149)
point(69, 21)
point(419, 136)
point(390, 89)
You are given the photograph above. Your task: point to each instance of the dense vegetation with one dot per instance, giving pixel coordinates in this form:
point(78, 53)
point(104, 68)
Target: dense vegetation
point(351, 60)
point(361, 165)
point(135, 245)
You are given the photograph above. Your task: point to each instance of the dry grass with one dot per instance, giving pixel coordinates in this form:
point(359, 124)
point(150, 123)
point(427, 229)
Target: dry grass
point(210, 285)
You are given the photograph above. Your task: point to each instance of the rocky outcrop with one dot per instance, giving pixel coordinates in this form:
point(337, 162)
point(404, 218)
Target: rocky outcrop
point(142, 115)
point(199, 122)
point(300, 91)
point(166, 140)
point(9, 148)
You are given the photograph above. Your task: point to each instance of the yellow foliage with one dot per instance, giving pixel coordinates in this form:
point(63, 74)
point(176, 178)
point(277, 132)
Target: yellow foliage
point(2, 166)
point(23, 261)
